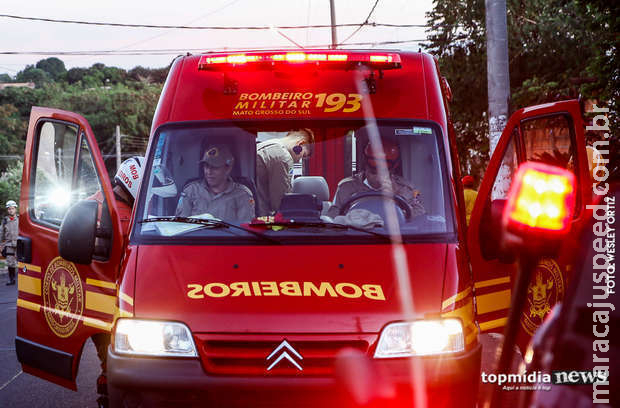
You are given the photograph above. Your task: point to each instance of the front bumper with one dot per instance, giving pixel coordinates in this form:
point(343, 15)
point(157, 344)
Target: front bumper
point(144, 382)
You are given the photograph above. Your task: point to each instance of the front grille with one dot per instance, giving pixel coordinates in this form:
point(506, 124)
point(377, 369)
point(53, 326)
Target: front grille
point(247, 354)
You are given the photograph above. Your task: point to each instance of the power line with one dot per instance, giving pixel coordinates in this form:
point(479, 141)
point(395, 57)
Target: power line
point(185, 27)
point(361, 25)
point(176, 51)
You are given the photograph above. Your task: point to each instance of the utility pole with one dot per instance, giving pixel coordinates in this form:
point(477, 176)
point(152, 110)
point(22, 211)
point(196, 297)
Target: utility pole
point(498, 77)
point(118, 146)
point(332, 10)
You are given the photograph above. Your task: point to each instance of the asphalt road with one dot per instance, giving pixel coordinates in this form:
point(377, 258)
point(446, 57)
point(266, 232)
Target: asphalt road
point(21, 390)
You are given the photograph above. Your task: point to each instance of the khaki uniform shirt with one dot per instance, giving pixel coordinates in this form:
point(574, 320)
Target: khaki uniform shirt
point(274, 171)
point(355, 184)
point(233, 204)
point(8, 238)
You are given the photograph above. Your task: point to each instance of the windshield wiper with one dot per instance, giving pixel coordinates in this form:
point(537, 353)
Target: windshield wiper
point(208, 223)
point(320, 224)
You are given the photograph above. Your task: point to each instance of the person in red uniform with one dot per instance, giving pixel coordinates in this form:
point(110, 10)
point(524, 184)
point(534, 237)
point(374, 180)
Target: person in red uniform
point(126, 183)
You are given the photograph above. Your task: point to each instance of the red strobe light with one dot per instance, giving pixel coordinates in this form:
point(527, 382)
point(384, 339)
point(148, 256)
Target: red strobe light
point(542, 197)
point(320, 58)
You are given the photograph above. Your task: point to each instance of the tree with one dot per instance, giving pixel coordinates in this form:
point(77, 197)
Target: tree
point(148, 75)
point(554, 46)
point(53, 66)
point(10, 182)
point(75, 75)
point(32, 74)
point(12, 134)
point(5, 78)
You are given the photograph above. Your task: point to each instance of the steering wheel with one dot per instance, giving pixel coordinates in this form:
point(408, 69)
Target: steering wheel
point(398, 200)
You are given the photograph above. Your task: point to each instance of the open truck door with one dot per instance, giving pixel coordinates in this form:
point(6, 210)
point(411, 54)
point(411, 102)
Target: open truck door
point(551, 133)
point(62, 303)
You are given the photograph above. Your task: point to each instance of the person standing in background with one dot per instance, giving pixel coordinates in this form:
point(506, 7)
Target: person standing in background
point(470, 195)
point(8, 239)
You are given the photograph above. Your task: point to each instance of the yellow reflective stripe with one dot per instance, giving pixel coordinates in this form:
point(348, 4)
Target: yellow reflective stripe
point(492, 324)
point(466, 314)
point(100, 302)
point(471, 336)
point(28, 305)
point(491, 302)
point(30, 267)
point(29, 284)
point(492, 282)
point(455, 298)
point(126, 298)
point(96, 323)
point(123, 313)
point(100, 283)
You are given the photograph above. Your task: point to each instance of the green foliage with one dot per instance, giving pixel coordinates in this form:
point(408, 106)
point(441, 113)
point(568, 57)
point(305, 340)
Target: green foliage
point(12, 134)
point(10, 183)
point(104, 108)
point(558, 49)
point(105, 96)
point(53, 66)
point(32, 74)
point(5, 78)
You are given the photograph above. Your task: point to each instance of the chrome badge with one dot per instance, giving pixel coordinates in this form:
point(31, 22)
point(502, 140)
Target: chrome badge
point(282, 351)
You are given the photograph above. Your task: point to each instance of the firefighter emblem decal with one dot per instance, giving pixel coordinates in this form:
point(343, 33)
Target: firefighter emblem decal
point(63, 297)
point(545, 290)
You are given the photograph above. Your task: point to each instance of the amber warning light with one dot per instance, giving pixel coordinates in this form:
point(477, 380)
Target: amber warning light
point(541, 199)
point(320, 59)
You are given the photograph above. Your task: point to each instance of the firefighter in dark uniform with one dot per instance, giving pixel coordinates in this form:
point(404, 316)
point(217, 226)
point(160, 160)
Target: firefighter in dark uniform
point(8, 239)
point(274, 167)
point(217, 194)
point(370, 181)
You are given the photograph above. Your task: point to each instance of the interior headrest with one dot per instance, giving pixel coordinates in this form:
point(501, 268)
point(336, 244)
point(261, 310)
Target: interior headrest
point(312, 185)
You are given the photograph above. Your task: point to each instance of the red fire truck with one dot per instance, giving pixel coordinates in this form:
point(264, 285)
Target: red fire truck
point(203, 309)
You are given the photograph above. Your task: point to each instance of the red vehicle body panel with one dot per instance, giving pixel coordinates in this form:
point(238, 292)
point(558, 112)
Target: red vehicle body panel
point(166, 272)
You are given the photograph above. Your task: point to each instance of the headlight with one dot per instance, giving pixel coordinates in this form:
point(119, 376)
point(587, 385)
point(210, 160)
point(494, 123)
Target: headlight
point(421, 338)
point(153, 338)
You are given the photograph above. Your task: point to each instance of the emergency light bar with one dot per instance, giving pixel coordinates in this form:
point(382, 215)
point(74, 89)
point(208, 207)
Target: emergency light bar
point(325, 59)
point(541, 198)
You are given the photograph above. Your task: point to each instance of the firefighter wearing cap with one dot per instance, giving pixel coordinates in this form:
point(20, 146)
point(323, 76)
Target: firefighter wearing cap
point(217, 194)
point(470, 195)
point(8, 239)
point(274, 167)
point(370, 181)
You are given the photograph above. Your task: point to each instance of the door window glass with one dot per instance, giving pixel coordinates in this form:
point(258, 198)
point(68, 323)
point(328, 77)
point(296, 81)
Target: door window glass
point(54, 171)
point(88, 187)
point(87, 180)
point(548, 140)
point(506, 170)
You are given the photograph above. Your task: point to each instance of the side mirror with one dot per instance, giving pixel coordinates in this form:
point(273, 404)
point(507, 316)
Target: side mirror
point(76, 241)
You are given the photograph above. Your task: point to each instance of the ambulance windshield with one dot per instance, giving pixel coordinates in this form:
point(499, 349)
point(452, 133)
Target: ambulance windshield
point(294, 181)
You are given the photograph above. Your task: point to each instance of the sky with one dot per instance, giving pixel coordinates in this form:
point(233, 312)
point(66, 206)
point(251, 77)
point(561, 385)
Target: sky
point(29, 36)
